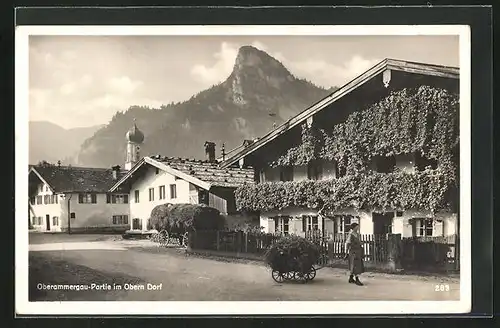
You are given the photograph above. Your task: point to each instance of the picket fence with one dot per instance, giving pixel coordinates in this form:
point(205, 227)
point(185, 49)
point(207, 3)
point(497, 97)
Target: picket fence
point(411, 253)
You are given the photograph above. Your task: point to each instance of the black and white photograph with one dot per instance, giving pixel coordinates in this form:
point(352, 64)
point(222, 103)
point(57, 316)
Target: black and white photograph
point(212, 166)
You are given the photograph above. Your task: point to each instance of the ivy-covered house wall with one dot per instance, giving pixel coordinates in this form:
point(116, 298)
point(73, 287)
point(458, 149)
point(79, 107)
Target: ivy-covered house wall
point(397, 155)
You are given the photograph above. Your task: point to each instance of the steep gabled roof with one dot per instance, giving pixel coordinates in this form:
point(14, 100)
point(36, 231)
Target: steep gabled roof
point(387, 64)
point(75, 179)
point(203, 174)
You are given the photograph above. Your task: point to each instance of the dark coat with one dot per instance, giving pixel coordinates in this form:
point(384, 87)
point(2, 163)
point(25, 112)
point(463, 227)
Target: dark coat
point(355, 253)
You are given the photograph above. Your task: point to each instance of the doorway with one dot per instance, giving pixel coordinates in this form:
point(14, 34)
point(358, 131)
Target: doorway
point(136, 224)
point(382, 223)
point(47, 221)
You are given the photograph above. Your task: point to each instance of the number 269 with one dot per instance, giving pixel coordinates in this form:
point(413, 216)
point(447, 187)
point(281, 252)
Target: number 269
point(442, 288)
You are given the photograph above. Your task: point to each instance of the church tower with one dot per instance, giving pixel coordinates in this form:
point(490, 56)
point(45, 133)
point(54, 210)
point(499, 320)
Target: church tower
point(135, 139)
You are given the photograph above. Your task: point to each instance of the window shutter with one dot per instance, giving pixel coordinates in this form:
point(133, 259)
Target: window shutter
point(80, 198)
point(271, 225)
point(304, 223)
point(437, 228)
point(125, 199)
point(125, 219)
point(108, 198)
point(93, 197)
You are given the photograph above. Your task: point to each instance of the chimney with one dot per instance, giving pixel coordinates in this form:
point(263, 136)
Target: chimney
point(116, 170)
point(210, 151)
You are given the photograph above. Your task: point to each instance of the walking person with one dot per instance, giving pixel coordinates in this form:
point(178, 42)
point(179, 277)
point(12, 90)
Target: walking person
point(354, 254)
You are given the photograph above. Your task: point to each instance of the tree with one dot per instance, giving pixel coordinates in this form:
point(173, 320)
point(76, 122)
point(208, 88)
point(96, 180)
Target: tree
point(44, 163)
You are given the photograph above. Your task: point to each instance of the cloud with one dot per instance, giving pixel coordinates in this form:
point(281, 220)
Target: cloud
point(329, 74)
point(124, 84)
point(320, 71)
point(218, 71)
point(71, 87)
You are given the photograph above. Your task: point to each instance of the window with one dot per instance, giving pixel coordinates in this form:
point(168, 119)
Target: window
point(422, 162)
point(342, 223)
point(46, 188)
point(39, 200)
point(55, 221)
point(281, 225)
point(33, 220)
point(173, 191)
point(314, 171)
point(40, 220)
point(423, 227)
point(72, 215)
point(116, 199)
point(151, 194)
point(56, 199)
point(309, 223)
point(50, 199)
point(286, 173)
point(33, 200)
point(87, 198)
point(120, 219)
point(384, 164)
point(157, 171)
point(162, 192)
point(136, 196)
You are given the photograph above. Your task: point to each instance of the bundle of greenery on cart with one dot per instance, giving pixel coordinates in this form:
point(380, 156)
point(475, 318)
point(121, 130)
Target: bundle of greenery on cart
point(174, 221)
point(292, 258)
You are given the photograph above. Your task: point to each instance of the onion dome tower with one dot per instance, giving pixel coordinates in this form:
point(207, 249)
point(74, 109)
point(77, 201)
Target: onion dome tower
point(135, 138)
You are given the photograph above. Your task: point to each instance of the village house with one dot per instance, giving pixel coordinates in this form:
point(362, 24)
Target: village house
point(332, 165)
point(76, 199)
point(102, 199)
point(156, 180)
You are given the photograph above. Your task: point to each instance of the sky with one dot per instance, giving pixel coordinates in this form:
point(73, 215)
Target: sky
point(78, 81)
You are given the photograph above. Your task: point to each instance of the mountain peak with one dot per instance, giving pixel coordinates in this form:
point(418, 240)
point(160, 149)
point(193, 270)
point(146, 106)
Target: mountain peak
point(250, 56)
point(256, 72)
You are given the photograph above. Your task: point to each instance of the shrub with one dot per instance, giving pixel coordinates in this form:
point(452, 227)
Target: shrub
point(185, 217)
point(289, 249)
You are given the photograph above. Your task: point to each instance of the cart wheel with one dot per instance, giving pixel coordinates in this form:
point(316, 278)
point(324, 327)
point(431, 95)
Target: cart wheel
point(185, 240)
point(311, 274)
point(289, 275)
point(163, 238)
point(278, 276)
point(300, 277)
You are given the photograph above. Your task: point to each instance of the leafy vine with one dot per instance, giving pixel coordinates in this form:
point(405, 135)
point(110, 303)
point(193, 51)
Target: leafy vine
point(422, 120)
point(393, 191)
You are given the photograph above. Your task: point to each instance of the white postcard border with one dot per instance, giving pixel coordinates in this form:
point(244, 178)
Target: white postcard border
point(24, 307)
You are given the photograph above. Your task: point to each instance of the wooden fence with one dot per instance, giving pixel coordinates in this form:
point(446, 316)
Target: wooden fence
point(231, 241)
point(425, 252)
point(388, 251)
point(375, 247)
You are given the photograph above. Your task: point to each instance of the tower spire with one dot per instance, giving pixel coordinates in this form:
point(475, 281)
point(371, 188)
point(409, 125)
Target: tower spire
point(135, 138)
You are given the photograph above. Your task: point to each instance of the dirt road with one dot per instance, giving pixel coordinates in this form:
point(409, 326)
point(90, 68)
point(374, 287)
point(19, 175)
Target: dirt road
point(187, 278)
